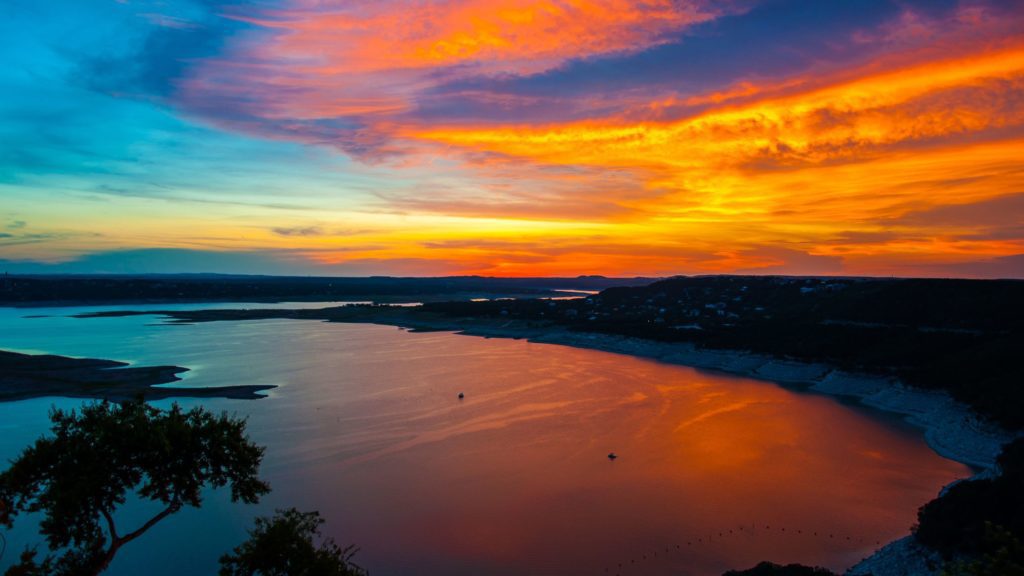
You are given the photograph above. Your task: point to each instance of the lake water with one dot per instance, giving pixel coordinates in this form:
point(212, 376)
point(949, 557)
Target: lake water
point(714, 471)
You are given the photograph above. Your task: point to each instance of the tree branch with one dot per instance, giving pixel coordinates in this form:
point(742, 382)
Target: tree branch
point(116, 542)
point(174, 507)
point(110, 525)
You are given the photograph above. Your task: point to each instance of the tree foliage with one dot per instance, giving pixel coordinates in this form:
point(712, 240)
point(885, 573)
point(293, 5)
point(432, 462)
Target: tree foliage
point(1004, 556)
point(97, 457)
point(285, 545)
point(771, 569)
point(979, 518)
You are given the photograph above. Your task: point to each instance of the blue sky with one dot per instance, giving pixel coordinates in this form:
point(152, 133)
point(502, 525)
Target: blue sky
point(462, 136)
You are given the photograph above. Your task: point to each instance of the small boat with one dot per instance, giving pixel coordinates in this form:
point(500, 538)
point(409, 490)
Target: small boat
point(612, 456)
point(461, 395)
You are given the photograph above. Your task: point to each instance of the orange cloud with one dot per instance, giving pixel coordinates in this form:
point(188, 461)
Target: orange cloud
point(805, 171)
point(816, 170)
point(369, 61)
point(931, 100)
point(520, 36)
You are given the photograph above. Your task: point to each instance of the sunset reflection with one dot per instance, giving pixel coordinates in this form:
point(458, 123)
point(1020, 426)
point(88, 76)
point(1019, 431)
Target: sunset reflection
point(515, 478)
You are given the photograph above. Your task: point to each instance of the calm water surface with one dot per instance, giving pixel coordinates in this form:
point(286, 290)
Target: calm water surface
point(714, 471)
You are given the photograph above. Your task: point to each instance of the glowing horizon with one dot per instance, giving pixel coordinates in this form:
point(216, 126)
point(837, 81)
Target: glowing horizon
point(514, 138)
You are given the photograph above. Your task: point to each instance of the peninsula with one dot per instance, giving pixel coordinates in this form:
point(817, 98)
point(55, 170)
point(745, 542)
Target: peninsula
point(24, 376)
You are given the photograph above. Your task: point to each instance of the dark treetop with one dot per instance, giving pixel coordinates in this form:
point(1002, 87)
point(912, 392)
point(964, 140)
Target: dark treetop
point(98, 457)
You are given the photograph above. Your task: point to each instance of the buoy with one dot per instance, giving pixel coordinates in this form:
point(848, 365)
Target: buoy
point(461, 395)
point(612, 456)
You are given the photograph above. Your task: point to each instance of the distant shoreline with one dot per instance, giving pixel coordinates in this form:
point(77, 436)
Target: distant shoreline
point(22, 290)
point(327, 299)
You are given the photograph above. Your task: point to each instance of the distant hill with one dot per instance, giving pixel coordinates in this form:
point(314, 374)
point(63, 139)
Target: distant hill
point(84, 288)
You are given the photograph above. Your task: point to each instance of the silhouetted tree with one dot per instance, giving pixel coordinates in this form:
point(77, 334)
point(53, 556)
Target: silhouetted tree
point(771, 569)
point(1004, 556)
point(958, 522)
point(96, 457)
point(284, 545)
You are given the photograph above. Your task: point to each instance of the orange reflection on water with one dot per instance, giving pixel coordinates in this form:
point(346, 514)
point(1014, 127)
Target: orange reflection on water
point(514, 479)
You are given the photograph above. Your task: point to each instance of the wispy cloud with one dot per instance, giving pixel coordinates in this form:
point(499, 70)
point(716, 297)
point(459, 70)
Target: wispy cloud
point(329, 73)
point(527, 137)
point(299, 231)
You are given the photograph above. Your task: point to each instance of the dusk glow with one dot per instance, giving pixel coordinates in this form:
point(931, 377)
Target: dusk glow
point(513, 137)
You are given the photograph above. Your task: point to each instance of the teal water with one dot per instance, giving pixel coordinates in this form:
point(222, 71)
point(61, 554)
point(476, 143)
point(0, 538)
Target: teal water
point(365, 426)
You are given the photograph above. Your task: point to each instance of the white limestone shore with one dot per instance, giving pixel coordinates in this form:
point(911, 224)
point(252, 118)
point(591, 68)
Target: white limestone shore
point(951, 428)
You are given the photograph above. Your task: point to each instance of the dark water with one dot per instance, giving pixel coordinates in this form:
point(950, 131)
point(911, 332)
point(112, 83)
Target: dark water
point(714, 471)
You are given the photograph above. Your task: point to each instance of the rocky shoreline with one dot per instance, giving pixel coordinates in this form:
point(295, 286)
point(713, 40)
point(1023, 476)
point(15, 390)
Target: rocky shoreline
point(951, 428)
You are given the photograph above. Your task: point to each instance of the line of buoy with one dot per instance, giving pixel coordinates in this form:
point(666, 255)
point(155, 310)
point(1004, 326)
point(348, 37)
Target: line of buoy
point(644, 556)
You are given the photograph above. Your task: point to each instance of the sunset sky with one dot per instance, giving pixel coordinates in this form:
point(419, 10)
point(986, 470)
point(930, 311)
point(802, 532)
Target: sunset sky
point(513, 137)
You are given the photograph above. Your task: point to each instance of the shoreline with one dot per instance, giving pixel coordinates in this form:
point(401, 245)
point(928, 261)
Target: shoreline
point(326, 300)
point(28, 376)
point(951, 428)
